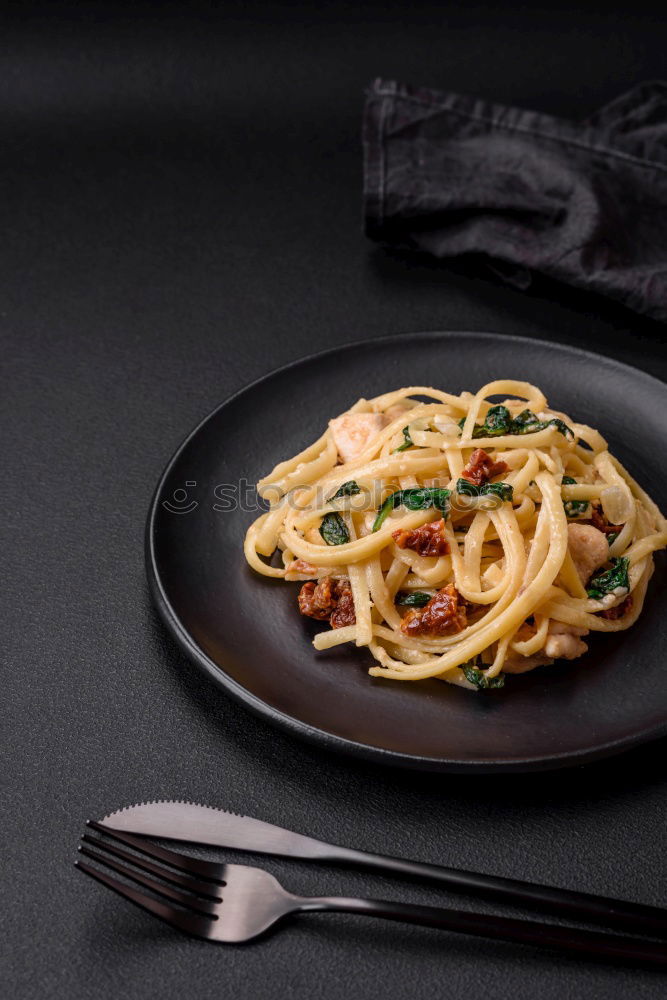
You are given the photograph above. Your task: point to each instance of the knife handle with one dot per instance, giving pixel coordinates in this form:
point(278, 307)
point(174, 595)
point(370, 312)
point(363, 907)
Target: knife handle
point(636, 917)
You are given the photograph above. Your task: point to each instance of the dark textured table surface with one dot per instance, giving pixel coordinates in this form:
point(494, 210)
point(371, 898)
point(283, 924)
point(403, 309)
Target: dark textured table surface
point(180, 214)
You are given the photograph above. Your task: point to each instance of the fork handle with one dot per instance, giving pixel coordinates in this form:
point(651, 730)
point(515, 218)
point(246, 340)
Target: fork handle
point(638, 918)
point(587, 942)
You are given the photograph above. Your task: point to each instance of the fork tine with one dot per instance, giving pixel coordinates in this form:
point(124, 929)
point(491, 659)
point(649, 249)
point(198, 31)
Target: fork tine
point(182, 862)
point(202, 906)
point(188, 882)
point(191, 923)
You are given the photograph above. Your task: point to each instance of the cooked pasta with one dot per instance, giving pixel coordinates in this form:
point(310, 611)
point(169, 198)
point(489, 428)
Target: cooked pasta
point(457, 537)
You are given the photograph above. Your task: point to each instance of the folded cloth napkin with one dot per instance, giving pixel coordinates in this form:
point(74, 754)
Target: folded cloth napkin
point(584, 203)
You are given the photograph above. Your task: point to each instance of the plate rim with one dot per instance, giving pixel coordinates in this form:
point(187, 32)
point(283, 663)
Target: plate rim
point(313, 734)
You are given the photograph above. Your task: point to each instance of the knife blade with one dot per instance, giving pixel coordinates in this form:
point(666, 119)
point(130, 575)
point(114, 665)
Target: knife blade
point(201, 824)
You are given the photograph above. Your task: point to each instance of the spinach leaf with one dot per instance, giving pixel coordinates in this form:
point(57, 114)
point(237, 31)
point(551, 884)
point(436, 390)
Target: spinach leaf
point(466, 488)
point(561, 426)
point(348, 489)
point(605, 581)
point(475, 676)
point(415, 498)
point(612, 536)
point(413, 598)
point(528, 423)
point(408, 440)
point(504, 491)
point(498, 421)
point(334, 530)
point(573, 507)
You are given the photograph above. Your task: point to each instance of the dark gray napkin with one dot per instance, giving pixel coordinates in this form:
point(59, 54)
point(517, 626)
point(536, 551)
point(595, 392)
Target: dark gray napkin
point(583, 203)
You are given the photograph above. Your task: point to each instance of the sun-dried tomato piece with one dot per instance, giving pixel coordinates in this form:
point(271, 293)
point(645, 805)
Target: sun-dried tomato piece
point(329, 600)
point(481, 468)
point(315, 599)
point(343, 614)
point(301, 566)
point(445, 614)
point(428, 540)
point(599, 521)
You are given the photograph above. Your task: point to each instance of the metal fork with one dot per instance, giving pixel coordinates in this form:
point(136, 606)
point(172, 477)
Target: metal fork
point(236, 903)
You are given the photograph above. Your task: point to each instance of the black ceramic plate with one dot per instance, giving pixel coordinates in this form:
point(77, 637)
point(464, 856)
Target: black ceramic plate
point(245, 632)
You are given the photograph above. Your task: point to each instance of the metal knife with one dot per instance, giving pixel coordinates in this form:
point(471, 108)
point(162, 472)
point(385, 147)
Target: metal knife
point(200, 824)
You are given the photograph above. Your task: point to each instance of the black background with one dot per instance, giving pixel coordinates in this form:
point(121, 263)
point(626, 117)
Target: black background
point(181, 212)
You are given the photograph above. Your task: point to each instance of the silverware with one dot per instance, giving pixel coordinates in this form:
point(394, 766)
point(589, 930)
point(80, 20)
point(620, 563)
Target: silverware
point(235, 903)
point(189, 821)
